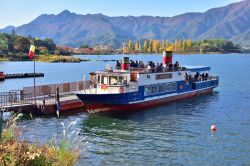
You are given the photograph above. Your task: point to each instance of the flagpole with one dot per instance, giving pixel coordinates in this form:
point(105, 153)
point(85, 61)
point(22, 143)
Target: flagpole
point(34, 79)
point(32, 56)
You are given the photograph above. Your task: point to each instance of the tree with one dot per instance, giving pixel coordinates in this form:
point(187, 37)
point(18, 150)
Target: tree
point(150, 48)
point(189, 45)
point(167, 44)
point(176, 46)
point(139, 47)
point(49, 43)
point(3, 43)
point(84, 46)
point(185, 45)
point(145, 46)
point(43, 50)
point(162, 46)
point(130, 46)
point(136, 46)
point(22, 44)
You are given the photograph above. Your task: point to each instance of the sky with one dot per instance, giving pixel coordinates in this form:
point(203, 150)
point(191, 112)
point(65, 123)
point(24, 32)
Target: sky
point(19, 12)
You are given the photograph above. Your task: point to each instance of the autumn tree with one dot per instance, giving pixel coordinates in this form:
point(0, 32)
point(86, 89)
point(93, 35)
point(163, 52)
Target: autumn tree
point(150, 48)
point(145, 46)
point(167, 44)
point(136, 46)
point(139, 49)
point(189, 45)
point(162, 46)
point(130, 46)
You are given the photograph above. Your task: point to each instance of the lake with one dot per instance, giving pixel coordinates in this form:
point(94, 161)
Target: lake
point(173, 134)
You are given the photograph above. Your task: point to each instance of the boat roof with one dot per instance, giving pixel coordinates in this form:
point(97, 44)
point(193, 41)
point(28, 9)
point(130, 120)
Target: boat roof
point(198, 68)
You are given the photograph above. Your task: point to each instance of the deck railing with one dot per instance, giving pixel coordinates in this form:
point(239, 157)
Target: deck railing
point(50, 90)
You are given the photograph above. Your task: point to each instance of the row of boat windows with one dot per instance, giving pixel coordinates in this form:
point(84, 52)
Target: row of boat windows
point(112, 80)
point(159, 88)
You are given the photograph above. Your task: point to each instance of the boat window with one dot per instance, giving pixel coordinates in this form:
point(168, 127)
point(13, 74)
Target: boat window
point(169, 87)
point(154, 89)
point(99, 79)
point(124, 80)
point(161, 88)
point(104, 80)
point(120, 80)
point(147, 90)
point(113, 80)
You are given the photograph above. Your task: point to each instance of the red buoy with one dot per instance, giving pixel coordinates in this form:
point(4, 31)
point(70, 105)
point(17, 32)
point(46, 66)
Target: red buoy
point(213, 128)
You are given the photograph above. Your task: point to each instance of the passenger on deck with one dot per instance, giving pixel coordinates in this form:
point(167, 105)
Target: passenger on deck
point(118, 65)
point(176, 65)
point(136, 64)
point(141, 64)
point(159, 67)
point(203, 76)
point(196, 76)
point(206, 76)
point(170, 66)
point(190, 79)
point(148, 67)
point(186, 77)
point(132, 63)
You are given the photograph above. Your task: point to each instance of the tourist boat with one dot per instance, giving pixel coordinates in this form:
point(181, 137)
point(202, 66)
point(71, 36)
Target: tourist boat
point(2, 76)
point(133, 88)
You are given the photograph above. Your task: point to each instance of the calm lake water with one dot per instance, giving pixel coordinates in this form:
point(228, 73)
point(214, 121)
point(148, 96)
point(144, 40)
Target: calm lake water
point(174, 134)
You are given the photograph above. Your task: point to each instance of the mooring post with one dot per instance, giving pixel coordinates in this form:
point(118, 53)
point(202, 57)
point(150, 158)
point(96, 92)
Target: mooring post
point(58, 104)
point(21, 95)
point(1, 123)
point(57, 93)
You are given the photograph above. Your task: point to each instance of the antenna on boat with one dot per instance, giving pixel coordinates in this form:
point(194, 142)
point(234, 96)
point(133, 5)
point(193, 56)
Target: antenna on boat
point(84, 78)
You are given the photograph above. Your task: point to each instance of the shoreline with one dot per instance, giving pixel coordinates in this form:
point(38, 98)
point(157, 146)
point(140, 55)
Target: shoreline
point(73, 59)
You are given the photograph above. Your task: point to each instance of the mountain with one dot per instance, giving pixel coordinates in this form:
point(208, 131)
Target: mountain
point(230, 22)
point(8, 29)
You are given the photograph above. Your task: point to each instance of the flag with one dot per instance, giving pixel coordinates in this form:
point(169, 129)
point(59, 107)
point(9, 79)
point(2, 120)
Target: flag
point(32, 51)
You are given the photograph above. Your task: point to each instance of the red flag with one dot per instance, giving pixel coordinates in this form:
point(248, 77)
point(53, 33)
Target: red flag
point(32, 51)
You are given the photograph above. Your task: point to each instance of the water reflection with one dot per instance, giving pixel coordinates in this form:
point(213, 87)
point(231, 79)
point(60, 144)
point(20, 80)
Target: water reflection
point(153, 133)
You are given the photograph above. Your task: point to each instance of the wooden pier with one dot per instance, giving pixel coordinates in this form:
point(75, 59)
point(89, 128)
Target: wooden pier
point(19, 75)
point(45, 100)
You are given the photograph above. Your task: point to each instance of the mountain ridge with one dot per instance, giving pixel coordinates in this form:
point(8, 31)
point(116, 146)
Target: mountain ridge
point(231, 22)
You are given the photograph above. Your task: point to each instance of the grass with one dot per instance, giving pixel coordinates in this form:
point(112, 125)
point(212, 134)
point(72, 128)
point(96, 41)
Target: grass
point(15, 152)
point(58, 58)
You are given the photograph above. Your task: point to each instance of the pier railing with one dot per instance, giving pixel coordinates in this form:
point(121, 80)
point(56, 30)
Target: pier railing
point(14, 98)
point(44, 93)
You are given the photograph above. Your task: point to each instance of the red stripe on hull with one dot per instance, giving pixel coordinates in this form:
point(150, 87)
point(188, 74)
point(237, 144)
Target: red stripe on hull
point(147, 104)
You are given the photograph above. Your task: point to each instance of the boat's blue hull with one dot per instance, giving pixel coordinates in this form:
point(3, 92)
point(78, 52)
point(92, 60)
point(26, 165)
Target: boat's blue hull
point(136, 100)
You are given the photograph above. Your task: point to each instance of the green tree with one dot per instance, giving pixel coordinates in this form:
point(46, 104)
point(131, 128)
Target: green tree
point(84, 46)
point(22, 44)
point(49, 43)
point(43, 50)
point(3, 44)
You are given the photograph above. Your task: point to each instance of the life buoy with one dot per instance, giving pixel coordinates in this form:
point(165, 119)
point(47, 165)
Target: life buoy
point(121, 90)
point(104, 87)
point(181, 87)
